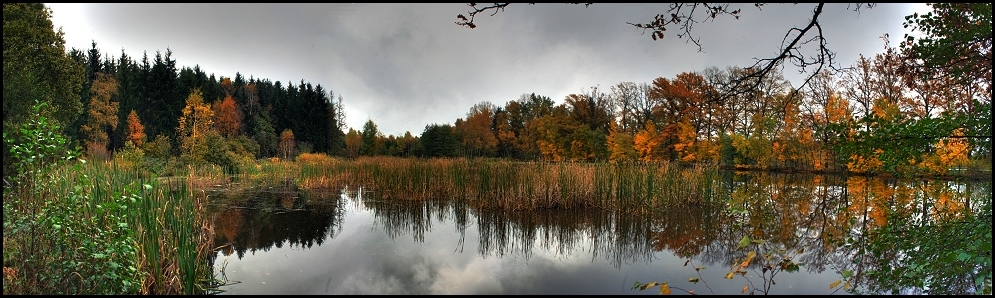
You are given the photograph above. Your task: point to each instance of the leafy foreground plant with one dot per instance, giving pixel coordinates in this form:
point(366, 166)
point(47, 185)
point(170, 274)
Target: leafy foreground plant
point(935, 253)
point(71, 227)
point(928, 247)
point(765, 264)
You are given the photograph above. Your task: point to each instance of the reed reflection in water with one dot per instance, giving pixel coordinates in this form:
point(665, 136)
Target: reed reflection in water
point(343, 242)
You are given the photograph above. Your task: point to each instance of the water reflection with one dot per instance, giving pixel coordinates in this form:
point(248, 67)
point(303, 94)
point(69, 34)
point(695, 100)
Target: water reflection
point(260, 219)
point(819, 226)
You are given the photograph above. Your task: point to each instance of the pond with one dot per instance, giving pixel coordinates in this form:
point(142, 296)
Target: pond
point(778, 234)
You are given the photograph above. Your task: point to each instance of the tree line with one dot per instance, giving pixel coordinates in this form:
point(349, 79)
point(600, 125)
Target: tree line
point(921, 107)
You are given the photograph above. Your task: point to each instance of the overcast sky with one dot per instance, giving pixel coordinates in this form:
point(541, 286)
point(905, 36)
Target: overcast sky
point(409, 65)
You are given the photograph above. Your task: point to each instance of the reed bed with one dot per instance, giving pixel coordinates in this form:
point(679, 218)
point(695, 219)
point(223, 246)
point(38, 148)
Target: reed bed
point(512, 185)
point(105, 228)
point(172, 236)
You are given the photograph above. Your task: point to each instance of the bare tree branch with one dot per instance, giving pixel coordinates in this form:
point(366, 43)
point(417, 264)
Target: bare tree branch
point(687, 15)
point(496, 7)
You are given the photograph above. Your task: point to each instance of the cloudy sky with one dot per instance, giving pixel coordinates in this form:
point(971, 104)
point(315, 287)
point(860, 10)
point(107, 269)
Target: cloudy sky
point(409, 65)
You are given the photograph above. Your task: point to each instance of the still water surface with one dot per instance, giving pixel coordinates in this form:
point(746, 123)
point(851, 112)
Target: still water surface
point(295, 241)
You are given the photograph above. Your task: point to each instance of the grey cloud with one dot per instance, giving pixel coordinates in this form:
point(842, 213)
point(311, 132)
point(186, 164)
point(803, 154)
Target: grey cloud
point(408, 65)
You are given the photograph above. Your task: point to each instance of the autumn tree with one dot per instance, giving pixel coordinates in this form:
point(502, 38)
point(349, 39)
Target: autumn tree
point(228, 117)
point(503, 133)
point(621, 147)
point(647, 143)
point(953, 44)
point(406, 144)
point(592, 114)
point(686, 98)
point(196, 121)
point(102, 116)
point(227, 88)
point(898, 132)
point(561, 136)
point(478, 139)
point(814, 112)
point(521, 113)
point(287, 144)
point(794, 146)
point(353, 142)
point(687, 145)
point(949, 153)
point(135, 131)
point(593, 109)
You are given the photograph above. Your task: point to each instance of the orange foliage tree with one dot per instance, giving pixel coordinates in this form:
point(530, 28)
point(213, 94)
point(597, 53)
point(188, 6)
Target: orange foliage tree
point(135, 132)
point(647, 143)
point(686, 142)
point(949, 152)
point(228, 117)
point(478, 139)
point(287, 144)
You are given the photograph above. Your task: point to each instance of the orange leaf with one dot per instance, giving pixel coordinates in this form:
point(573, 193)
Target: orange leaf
point(664, 289)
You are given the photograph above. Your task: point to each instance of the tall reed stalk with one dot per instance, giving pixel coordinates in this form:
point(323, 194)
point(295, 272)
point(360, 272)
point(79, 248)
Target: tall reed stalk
point(105, 228)
point(172, 237)
point(504, 184)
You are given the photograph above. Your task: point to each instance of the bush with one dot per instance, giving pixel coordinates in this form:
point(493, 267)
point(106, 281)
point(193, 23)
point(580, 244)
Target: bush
point(315, 158)
point(61, 234)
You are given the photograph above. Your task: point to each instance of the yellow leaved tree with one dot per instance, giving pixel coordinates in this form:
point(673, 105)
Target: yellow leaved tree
point(195, 124)
point(102, 116)
point(647, 143)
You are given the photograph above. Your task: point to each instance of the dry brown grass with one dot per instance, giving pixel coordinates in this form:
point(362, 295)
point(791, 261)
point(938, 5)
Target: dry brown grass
point(512, 185)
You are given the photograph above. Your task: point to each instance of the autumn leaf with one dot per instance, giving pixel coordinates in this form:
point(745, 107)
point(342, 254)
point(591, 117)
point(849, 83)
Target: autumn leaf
point(745, 241)
point(847, 273)
point(835, 284)
point(647, 286)
point(747, 287)
point(664, 289)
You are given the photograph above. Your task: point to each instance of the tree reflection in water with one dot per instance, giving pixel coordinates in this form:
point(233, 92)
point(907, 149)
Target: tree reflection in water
point(878, 235)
